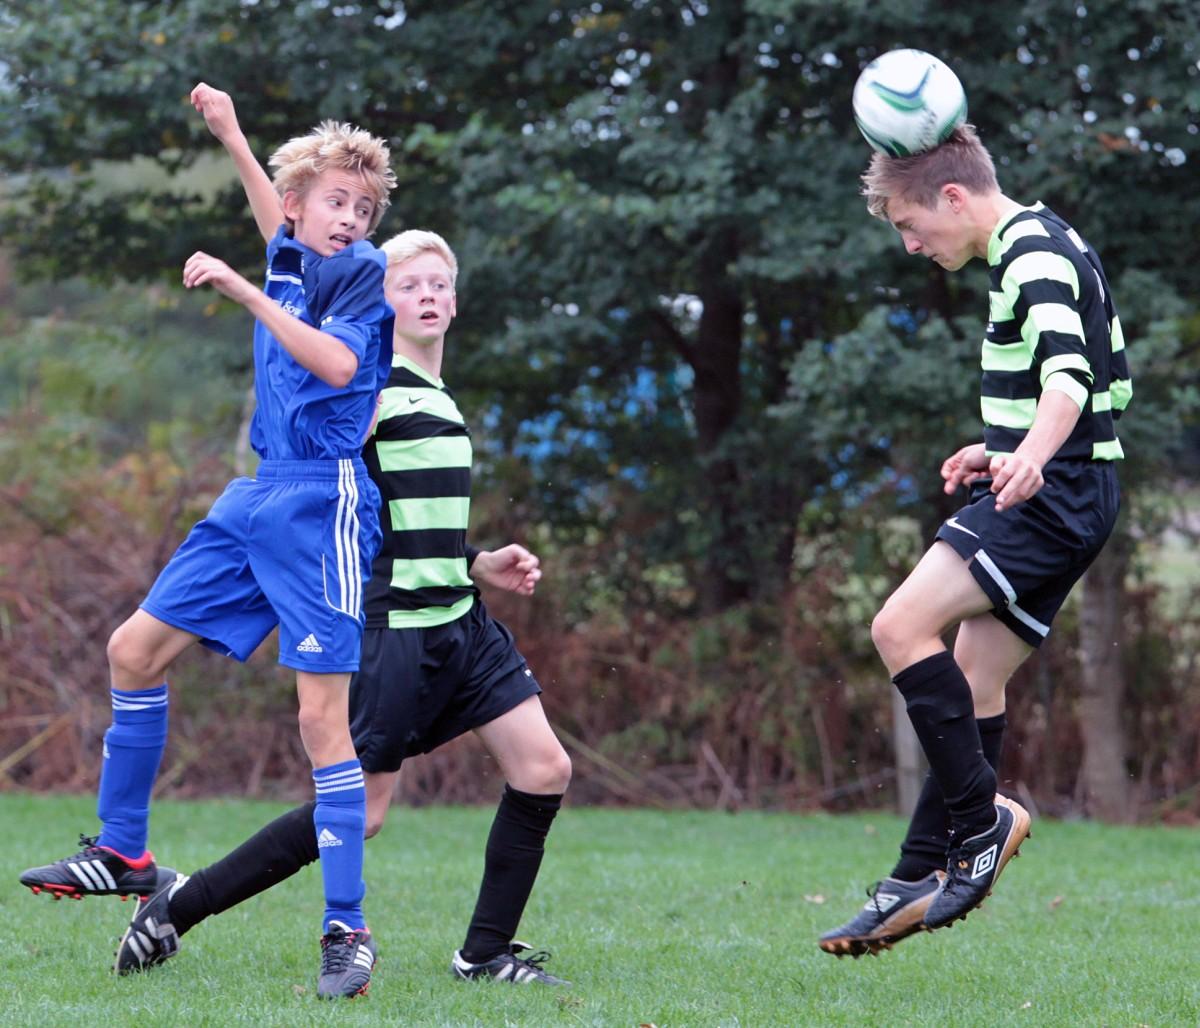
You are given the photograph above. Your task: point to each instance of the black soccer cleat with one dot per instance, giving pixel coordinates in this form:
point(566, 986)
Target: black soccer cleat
point(347, 957)
point(508, 967)
point(976, 863)
point(151, 939)
point(895, 911)
point(94, 871)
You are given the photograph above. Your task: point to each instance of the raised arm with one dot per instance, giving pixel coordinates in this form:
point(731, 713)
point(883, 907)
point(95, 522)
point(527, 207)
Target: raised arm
point(325, 355)
point(219, 115)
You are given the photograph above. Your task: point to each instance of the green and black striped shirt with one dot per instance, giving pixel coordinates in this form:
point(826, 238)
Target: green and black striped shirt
point(1052, 325)
point(420, 459)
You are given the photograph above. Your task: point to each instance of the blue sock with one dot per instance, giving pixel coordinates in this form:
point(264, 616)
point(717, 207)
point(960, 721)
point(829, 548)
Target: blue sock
point(133, 746)
point(340, 818)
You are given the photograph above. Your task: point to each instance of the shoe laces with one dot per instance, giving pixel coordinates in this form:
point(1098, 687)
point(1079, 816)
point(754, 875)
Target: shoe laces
point(958, 861)
point(337, 950)
point(535, 959)
point(873, 895)
point(87, 843)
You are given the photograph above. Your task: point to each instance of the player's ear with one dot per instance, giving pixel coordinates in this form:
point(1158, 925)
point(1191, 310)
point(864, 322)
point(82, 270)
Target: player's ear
point(292, 202)
point(453, 304)
point(954, 195)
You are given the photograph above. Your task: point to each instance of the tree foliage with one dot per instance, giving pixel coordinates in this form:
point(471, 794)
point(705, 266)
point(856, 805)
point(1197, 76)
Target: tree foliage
point(655, 202)
point(681, 338)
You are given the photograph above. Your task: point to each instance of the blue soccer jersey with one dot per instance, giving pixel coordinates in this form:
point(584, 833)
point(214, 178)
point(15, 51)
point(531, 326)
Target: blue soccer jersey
point(298, 416)
point(294, 545)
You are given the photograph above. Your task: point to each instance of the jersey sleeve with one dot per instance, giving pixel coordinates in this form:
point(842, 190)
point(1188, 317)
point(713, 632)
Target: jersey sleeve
point(383, 368)
point(274, 242)
point(1043, 288)
point(346, 300)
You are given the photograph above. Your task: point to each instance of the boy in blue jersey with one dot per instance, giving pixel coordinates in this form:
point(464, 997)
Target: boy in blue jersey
point(292, 547)
point(1043, 500)
point(435, 664)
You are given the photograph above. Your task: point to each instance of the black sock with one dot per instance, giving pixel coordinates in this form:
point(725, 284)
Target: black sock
point(924, 847)
point(942, 713)
point(272, 854)
point(510, 866)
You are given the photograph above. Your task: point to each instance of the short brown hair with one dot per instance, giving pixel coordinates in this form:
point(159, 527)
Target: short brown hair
point(962, 159)
point(340, 146)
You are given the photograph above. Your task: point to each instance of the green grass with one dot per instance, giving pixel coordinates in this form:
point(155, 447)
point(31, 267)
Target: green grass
point(672, 919)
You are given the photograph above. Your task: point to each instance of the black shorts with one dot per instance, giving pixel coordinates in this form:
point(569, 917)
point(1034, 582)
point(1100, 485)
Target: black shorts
point(1028, 557)
point(417, 688)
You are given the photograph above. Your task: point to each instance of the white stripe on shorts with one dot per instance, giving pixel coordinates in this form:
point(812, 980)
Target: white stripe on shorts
point(1010, 593)
point(346, 529)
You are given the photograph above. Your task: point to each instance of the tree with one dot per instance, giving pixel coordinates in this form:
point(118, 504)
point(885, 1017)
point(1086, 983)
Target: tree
point(656, 207)
point(669, 186)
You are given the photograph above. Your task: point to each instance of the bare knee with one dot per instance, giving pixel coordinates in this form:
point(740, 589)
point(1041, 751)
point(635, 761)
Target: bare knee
point(547, 775)
point(374, 824)
point(559, 772)
point(326, 737)
point(888, 635)
point(131, 660)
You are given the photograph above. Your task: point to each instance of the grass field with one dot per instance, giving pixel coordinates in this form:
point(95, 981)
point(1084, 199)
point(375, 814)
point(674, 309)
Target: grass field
point(667, 919)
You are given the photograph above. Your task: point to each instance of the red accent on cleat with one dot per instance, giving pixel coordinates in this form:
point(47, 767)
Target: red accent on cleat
point(58, 891)
point(144, 860)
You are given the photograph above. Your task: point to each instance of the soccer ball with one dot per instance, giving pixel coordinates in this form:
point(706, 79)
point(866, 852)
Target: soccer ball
point(907, 101)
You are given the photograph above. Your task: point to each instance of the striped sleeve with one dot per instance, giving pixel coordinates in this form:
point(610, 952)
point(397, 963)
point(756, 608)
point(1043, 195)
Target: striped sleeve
point(1044, 290)
point(1121, 387)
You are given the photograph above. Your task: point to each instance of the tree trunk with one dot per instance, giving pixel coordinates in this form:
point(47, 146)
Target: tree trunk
point(243, 455)
point(1103, 776)
point(717, 401)
point(910, 761)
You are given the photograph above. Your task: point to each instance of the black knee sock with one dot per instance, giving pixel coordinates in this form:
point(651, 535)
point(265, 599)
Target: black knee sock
point(942, 713)
point(924, 847)
point(513, 856)
point(269, 856)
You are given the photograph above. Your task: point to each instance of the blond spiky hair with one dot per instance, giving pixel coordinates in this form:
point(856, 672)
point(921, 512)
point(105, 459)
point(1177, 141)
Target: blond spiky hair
point(416, 241)
point(335, 145)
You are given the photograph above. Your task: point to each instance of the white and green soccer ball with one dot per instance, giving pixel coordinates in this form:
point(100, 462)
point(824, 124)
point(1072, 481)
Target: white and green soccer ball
point(907, 101)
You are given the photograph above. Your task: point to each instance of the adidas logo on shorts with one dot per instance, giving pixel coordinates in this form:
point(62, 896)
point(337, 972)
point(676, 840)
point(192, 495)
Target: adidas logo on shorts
point(310, 645)
point(327, 839)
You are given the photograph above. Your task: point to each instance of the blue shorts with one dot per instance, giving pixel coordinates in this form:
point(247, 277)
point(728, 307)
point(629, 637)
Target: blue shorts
point(420, 687)
point(292, 547)
point(1028, 557)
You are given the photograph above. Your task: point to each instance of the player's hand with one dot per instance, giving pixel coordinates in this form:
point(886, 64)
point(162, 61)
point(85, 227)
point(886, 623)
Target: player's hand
point(203, 270)
point(217, 108)
point(1015, 478)
point(964, 467)
point(511, 568)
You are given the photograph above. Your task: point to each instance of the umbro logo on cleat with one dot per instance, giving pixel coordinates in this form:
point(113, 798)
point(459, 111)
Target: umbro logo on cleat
point(327, 839)
point(984, 861)
point(309, 645)
point(882, 901)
